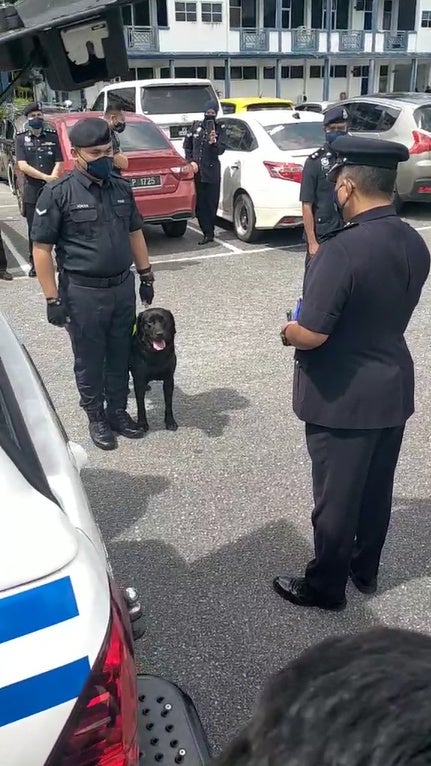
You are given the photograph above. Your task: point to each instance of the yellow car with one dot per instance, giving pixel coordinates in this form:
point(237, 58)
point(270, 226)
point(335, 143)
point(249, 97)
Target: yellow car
point(235, 105)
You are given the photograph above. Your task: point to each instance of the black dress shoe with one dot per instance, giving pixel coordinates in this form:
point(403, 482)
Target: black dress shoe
point(32, 272)
point(121, 422)
point(6, 276)
point(206, 240)
point(296, 590)
point(365, 586)
point(101, 433)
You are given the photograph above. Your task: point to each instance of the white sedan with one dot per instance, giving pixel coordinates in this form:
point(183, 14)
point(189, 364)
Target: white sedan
point(261, 169)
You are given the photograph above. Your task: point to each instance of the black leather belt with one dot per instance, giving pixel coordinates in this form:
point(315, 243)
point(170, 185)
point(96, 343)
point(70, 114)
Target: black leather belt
point(87, 281)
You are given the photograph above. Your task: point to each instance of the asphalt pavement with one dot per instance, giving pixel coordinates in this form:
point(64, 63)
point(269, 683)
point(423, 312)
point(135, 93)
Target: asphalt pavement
point(202, 519)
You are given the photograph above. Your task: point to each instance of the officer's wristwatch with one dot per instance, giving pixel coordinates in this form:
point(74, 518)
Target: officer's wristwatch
point(146, 274)
point(55, 301)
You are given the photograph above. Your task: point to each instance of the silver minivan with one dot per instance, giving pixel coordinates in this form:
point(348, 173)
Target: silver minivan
point(402, 117)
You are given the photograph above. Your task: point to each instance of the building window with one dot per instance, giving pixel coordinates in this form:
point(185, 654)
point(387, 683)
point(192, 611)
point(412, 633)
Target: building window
point(333, 15)
point(269, 72)
point(139, 14)
point(218, 73)
point(191, 71)
point(269, 14)
point(145, 72)
point(368, 14)
point(292, 72)
point(211, 13)
point(387, 15)
point(243, 73)
point(426, 19)
point(338, 70)
point(185, 12)
point(360, 71)
point(286, 14)
point(242, 14)
point(316, 72)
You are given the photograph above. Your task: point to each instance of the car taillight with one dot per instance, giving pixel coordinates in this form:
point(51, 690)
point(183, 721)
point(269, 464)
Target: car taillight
point(287, 171)
point(421, 143)
point(183, 172)
point(102, 728)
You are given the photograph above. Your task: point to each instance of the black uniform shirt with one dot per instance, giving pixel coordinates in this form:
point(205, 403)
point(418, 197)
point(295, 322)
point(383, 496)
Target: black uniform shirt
point(41, 152)
point(361, 289)
point(318, 191)
point(89, 224)
point(198, 149)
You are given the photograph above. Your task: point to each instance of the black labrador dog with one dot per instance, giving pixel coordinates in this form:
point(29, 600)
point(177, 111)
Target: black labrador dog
point(153, 358)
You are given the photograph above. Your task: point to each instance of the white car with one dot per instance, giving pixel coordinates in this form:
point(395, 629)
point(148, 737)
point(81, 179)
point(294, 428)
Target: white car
point(261, 169)
point(68, 684)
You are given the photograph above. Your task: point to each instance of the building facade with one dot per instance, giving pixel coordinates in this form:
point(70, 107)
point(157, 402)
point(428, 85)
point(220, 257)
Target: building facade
point(287, 48)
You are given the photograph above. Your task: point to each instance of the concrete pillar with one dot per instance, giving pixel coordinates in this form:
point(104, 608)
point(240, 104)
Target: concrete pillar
point(227, 78)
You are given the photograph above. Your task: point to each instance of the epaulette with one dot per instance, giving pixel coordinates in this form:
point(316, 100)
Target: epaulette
point(318, 153)
point(335, 233)
point(65, 177)
point(49, 129)
point(21, 132)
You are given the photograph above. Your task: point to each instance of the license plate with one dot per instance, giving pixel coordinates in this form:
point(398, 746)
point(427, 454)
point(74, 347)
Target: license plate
point(146, 182)
point(179, 131)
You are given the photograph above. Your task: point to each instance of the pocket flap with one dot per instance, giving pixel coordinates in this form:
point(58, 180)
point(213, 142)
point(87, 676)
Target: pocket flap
point(83, 214)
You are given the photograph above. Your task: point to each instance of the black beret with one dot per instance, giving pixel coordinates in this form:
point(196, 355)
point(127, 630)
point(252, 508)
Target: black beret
point(335, 114)
point(90, 131)
point(35, 107)
point(371, 152)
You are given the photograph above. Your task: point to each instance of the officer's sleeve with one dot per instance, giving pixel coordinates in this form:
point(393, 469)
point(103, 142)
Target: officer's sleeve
point(58, 154)
point(188, 147)
point(19, 149)
point(47, 219)
point(136, 220)
point(327, 287)
point(308, 183)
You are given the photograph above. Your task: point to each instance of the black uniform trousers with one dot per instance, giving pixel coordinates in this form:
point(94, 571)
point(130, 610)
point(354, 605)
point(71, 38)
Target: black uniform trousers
point(100, 329)
point(353, 475)
point(207, 197)
point(29, 210)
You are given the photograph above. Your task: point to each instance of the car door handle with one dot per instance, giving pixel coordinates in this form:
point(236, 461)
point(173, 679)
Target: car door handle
point(235, 166)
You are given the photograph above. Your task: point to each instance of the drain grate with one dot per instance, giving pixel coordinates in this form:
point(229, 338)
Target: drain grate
point(170, 731)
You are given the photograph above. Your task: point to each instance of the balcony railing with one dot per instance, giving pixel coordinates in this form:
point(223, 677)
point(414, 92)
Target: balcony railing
point(351, 41)
point(305, 40)
point(142, 39)
point(254, 40)
point(396, 41)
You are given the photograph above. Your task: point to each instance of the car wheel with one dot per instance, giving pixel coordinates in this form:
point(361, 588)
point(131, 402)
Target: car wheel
point(244, 218)
point(398, 203)
point(174, 228)
point(19, 198)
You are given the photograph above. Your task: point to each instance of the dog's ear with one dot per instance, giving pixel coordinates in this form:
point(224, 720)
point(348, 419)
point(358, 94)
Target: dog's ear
point(139, 324)
point(172, 320)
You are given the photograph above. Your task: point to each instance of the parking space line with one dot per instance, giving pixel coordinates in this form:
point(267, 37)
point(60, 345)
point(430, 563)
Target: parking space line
point(18, 257)
point(207, 256)
point(227, 245)
point(422, 228)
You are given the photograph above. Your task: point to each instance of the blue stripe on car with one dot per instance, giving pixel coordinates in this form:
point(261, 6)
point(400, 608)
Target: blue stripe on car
point(36, 609)
point(42, 692)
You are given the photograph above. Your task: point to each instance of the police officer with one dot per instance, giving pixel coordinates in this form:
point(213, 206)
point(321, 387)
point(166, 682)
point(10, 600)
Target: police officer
point(90, 216)
point(317, 193)
point(354, 378)
point(202, 148)
point(116, 120)
point(39, 157)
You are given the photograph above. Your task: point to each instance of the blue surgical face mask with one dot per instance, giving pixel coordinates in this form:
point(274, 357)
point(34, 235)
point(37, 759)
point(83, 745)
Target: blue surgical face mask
point(100, 168)
point(36, 123)
point(332, 135)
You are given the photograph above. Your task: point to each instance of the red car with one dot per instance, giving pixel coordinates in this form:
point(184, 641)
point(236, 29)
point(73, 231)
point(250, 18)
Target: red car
point(162, 180)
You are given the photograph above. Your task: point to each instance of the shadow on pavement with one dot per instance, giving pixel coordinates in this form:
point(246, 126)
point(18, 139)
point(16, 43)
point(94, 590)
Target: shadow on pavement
point(406, 555)
point(208, 410)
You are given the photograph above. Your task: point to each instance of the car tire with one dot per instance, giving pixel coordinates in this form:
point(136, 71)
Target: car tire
point(398, 203)
point(244, 218)
point(174, 229)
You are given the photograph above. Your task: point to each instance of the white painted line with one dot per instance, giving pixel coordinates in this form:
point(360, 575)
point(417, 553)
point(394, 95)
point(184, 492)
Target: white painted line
point(18, 257)
point(208, 256)
point(422, 228)
point(12, 204)
point(221, 242)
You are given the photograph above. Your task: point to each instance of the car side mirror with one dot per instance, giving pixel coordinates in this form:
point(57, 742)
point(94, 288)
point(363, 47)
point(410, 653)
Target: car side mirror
point(78, 456)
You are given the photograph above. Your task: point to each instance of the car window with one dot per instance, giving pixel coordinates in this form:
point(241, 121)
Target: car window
point(10, 130)
point(315, 108)
point(176, 99)
point(123, 98)
point(422, 117)
point(388, 119)
point(2, 128)
point(364, 117)
point(258, 107)
point(300, 108)
point(99, 104)
point(300, 135)
point(228, 108)
point(140, 136)
point(239, 137)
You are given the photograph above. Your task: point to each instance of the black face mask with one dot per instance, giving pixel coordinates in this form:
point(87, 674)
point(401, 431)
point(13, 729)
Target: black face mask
point(119, 127)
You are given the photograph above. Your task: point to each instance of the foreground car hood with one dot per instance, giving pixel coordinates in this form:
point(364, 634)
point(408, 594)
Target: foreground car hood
point(36, 537)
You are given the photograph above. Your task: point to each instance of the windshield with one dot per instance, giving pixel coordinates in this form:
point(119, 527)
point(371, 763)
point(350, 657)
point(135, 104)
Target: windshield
point(258, 107)
point(300, 135)
point(139, 137)
point(176, 99)
point(423, 117)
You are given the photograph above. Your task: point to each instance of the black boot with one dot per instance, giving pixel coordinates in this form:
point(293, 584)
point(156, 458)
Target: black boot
point(32, 272)
point(121, 422)
point(100, 431)
point(6, 275)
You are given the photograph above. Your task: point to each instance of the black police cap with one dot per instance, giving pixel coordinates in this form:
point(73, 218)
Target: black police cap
point(335, 114)
point(36, 106)
point(369, 152)
point(90, 131)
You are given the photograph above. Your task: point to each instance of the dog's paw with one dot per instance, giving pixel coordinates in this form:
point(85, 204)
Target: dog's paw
point(144, 425)
point(171, 424)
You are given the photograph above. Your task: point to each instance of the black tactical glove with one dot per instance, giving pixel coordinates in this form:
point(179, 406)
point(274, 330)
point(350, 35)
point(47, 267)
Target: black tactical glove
point(146, 288)
point(56, 312)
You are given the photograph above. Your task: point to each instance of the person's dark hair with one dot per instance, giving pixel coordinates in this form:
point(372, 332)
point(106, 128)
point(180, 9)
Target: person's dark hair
point(352, 701)
point(112, 109)
point(371, 181)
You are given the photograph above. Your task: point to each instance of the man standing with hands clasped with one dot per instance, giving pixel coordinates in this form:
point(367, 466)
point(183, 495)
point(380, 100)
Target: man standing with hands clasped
point(354, 377)
point(39, 157)
point(90, 216)
point(203, 147)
